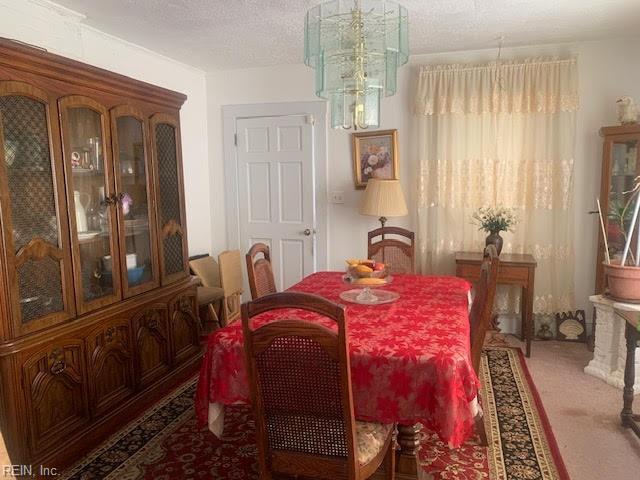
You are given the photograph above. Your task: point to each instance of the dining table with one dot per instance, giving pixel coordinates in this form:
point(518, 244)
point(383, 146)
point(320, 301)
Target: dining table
point(410, 360)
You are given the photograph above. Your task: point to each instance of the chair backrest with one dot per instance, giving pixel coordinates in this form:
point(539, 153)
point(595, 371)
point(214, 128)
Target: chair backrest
point(230, 272)
point(259, 271)
point(398, 254)
point(206, 268)
point(301, 388)
point(482, 306)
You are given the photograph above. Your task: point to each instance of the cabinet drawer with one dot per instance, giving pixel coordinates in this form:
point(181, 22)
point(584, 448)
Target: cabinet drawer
point(512, 274)
point(507, 274)
point(468, 271)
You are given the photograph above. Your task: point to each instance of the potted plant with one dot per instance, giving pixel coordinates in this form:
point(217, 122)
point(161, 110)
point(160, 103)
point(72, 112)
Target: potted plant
point(620, 213)
point(623, 274)
point(494, 220)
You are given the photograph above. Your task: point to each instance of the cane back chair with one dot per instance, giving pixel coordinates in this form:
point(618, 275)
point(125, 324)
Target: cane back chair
point(481, 314)
point(301, 394)
point(259, 271)
point(399, 255)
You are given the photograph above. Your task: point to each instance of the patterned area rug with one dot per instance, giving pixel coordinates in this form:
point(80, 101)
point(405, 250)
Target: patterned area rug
point(166, 443)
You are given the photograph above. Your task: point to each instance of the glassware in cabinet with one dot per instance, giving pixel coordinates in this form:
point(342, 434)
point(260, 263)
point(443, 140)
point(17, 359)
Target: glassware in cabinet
point(92, 201)
point(139, 258)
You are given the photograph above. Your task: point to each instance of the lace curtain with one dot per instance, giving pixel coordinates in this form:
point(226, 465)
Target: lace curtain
point(500, 134)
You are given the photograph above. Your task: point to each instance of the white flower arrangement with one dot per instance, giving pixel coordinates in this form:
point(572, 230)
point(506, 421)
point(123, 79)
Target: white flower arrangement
point(495, 219)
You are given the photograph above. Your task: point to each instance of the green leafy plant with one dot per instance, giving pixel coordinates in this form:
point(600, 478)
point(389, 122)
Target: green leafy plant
point(495, 219)
point(620, 213)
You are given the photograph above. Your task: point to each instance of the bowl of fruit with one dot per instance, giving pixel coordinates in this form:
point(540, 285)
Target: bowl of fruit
point(367, 273)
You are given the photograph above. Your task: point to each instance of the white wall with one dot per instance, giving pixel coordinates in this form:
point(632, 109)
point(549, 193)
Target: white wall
point(295, 83)
point(607, 70)
point(61, 31)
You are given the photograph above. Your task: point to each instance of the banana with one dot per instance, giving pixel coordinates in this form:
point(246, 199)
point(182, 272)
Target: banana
point(369, 281)
point(363, 269)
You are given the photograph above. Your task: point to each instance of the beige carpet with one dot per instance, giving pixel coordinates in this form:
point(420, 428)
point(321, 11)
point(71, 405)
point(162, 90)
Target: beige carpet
point(584, 413)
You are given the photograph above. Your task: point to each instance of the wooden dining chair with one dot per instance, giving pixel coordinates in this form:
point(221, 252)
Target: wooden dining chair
point(231, 282)
point(481, 314)
point(399, 255)
point(302, 398)
point(259, 271)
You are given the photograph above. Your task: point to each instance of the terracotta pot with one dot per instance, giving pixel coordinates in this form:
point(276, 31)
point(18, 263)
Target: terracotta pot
point(624, 282)
point(494, 239)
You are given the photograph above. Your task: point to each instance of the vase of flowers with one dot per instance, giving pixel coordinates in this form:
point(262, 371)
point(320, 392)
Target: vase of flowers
point(494, 220)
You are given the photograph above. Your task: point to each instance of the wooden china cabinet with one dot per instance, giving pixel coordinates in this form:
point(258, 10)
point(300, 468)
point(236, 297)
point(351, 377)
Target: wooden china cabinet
point(620, 167)
point(98, 310)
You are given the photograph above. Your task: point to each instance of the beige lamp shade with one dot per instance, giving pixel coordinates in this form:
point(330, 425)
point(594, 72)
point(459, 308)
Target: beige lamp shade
point(383, 198)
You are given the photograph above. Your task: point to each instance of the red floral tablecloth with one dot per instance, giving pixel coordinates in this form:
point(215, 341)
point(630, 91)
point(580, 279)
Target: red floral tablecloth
point(410, 360)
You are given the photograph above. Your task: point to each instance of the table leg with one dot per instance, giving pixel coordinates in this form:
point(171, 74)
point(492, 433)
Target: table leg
point(523, 314)
point(591, 341)
point(407, 456)
point(527, 318)
point(631, 335)
point(526, 306)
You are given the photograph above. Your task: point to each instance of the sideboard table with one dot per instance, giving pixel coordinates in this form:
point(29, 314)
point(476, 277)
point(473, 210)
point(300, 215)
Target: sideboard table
point(515, 269)
point(631, 313)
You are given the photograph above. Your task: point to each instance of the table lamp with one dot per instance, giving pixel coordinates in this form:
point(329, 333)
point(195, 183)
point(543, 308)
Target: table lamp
point(383, 198)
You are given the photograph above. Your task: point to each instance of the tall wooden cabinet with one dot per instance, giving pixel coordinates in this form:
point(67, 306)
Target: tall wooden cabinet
point(620, 167)
point(98, 311)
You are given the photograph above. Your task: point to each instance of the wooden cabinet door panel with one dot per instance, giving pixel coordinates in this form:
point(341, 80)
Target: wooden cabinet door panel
point(136, 210)
point(33, 210)
point(110, 365)
point(170, 212)
point(185, 328)
point(55, 389)
point(153, 356)
point(92, 202)
point(620, 168)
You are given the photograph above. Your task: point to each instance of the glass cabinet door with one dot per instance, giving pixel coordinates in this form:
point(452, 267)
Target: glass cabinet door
point(624, 169)
point(138, 255)
point(165, 141)
point(92, 201)
point(32, 202)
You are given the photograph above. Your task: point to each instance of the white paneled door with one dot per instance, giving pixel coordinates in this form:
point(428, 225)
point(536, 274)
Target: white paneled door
point(276, 192)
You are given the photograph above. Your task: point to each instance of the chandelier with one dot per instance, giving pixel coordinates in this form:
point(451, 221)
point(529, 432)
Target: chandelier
point(356, 47)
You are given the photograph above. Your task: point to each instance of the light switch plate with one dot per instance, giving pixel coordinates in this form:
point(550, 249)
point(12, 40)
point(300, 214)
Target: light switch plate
point(337, 197)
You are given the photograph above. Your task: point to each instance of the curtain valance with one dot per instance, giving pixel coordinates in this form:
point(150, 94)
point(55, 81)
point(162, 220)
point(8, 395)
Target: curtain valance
point(534, 85)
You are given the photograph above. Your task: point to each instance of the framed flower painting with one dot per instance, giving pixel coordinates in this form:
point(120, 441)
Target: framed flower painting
point(375, 155)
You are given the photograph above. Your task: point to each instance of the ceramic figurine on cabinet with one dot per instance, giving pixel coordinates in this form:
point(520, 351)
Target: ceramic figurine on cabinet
point(627, 110)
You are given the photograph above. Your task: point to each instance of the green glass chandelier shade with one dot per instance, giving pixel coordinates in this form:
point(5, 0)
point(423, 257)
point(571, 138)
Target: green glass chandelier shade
point(356, 48)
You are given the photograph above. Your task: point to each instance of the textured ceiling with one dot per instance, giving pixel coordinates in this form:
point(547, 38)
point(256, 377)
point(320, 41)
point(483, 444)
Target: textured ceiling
point(222, 34)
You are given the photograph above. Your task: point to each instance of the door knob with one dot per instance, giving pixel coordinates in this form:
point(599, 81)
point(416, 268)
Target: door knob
point(308, 231)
